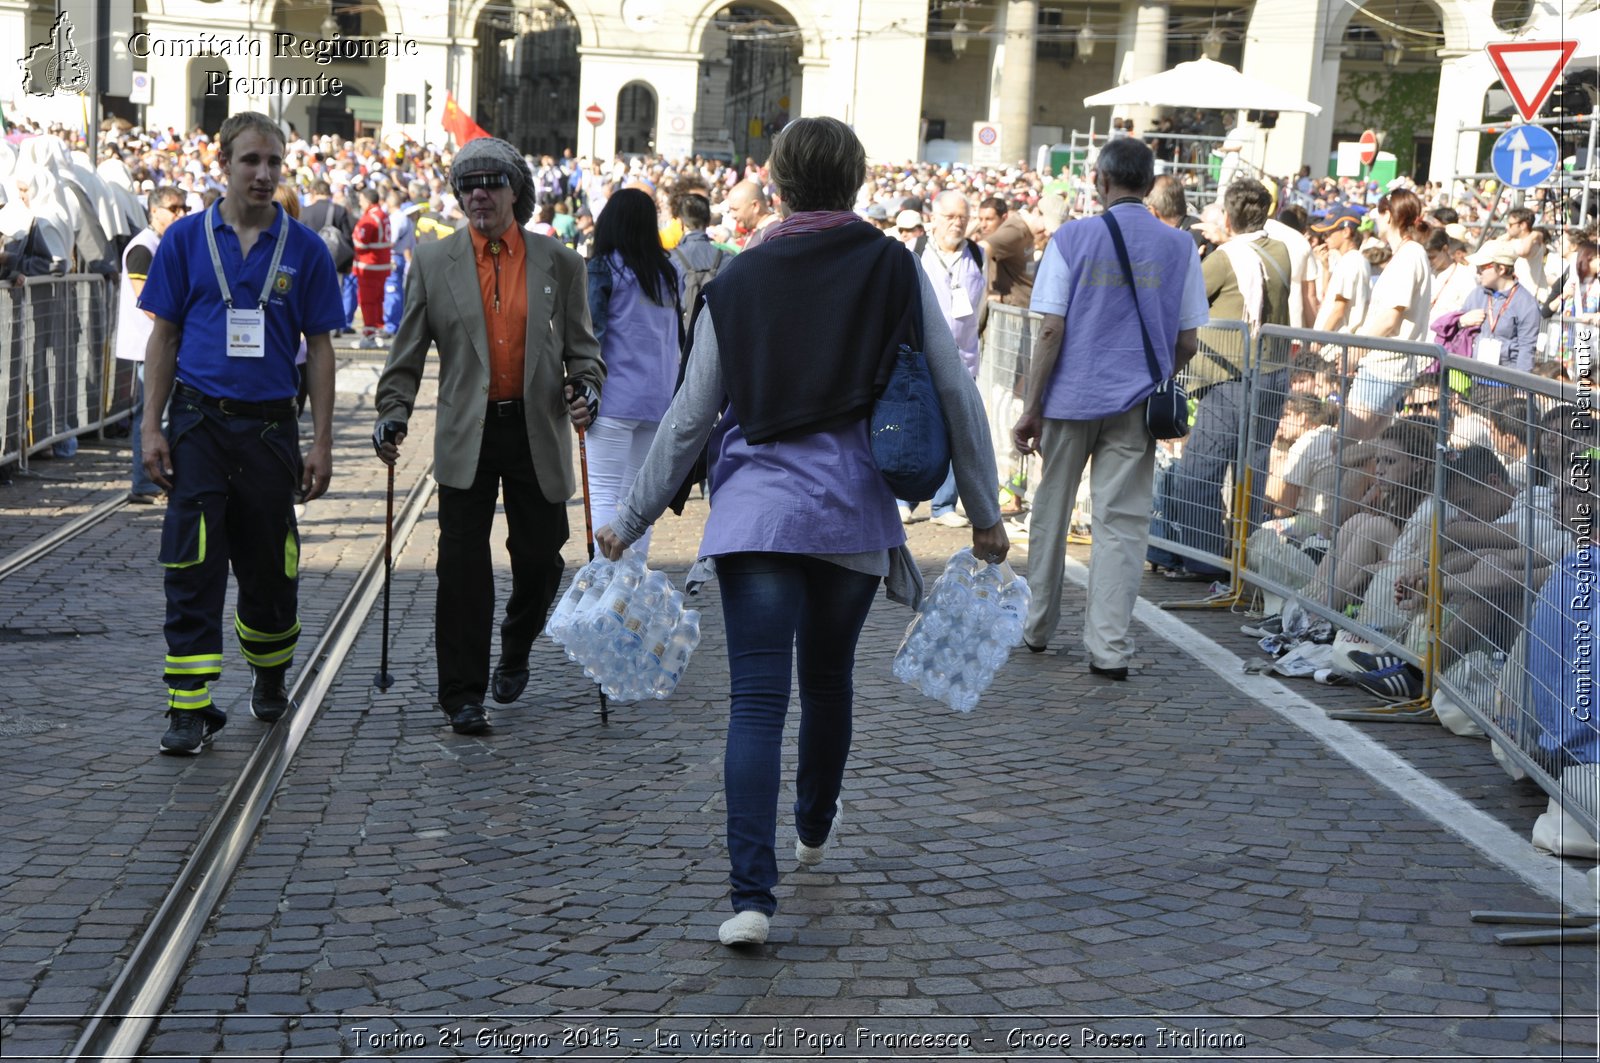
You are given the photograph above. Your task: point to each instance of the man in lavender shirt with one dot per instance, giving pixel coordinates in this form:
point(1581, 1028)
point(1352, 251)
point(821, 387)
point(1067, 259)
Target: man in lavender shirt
point(955, 266)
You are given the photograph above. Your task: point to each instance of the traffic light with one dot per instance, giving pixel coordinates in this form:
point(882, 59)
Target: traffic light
point(427, 99)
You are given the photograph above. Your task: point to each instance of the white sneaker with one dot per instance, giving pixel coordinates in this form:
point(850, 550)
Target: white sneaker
point(366, 343)
point(906, 516)
point(952, 519)
point(746, 928)
point(811, 855)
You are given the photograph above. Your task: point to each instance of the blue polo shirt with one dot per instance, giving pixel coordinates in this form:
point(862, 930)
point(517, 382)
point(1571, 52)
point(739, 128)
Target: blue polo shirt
point(182, 288)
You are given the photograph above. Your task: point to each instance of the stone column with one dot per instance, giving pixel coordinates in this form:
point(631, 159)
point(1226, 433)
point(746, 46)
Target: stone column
point(1148, 55)
point(1016, 81)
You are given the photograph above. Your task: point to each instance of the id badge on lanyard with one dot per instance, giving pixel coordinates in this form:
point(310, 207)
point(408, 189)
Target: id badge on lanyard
point(247, 333)
point(246, 326)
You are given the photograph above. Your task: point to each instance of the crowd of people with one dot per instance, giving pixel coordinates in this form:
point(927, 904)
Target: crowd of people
point(637, 262)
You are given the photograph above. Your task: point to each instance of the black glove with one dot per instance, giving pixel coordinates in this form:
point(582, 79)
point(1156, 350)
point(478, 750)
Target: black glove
point(590, 397)
point(386, 432)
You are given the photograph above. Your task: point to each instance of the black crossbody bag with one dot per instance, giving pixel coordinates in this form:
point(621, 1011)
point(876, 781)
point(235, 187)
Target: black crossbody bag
point(1166, 411)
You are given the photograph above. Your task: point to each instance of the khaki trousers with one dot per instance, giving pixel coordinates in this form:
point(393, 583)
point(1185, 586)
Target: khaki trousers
point(1121, 482)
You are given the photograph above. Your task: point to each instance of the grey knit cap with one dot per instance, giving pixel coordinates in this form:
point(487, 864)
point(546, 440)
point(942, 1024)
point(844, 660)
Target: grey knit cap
point(493, 155)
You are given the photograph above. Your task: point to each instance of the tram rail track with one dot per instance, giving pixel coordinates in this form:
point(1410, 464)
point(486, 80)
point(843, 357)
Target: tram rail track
point(130, 1009)
point(20, 559)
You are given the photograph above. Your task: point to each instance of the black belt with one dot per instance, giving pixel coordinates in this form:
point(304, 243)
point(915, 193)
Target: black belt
point(264, 411)
point(505, 408)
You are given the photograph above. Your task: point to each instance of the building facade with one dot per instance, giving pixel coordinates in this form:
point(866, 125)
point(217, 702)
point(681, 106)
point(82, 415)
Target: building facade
point(912, 76)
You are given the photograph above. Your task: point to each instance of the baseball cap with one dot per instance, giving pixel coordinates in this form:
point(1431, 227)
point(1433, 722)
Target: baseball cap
point(907, 219)
point(1336, 218)
point(1495, 252)
point(877, 212)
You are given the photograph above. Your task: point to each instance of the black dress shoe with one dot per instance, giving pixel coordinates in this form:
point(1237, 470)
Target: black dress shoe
point(468, 719)
point(1118, 673)
point(509, 680)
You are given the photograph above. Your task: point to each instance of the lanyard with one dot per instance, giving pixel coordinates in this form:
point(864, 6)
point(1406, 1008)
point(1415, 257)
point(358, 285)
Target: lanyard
point(216, 259)
point(1488, 312)
point(948, 267)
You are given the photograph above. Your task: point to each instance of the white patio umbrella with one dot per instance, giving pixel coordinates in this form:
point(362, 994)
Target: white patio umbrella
point(1204, 84)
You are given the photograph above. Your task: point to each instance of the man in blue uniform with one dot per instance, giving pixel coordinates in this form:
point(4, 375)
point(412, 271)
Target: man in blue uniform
point(232, 290)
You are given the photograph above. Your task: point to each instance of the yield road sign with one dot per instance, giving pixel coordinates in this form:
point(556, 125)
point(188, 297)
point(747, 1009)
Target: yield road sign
point(1529, 70)
point(1369, 147)
point(1524, 156)
point(593, 114)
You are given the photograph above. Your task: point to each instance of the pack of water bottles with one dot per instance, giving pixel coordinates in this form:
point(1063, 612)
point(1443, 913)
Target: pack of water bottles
point(968, 625)
point(626, 625)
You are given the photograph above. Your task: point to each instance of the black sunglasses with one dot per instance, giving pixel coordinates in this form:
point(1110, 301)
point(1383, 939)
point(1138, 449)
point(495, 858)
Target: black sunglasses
point(467, 182)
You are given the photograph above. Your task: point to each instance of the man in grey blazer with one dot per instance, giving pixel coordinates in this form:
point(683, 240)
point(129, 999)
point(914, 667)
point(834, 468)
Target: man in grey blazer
point(509, 314)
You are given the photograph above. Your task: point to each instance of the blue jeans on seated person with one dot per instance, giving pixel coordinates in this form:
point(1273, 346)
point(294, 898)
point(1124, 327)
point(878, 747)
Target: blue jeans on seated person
point(776, 606)
point(944, 499)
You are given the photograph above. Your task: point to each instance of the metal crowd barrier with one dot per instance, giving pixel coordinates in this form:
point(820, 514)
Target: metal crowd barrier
point(58, 376)
point(1516, 574)
point(1437, 514)
point(1199, 480)
point(1004, 355)
point(1353, 504)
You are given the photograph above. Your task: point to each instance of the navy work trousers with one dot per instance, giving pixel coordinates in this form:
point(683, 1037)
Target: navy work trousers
point(232, 503)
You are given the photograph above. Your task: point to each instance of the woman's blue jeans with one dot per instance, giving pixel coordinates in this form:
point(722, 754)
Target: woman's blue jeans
point(776, 605)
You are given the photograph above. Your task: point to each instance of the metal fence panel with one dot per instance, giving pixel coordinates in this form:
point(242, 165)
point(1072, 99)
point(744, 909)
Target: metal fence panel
point(1196, 502)
point(64, 381)
point(1516, 576)
point(1004, 357)
point(1344, 501)
point(13, 376)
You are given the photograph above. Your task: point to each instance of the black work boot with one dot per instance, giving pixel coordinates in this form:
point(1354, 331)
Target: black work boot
point(269, 698)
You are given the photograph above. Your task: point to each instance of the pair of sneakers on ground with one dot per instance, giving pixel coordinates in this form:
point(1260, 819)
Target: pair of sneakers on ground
point(750, 927)
point(190, 730)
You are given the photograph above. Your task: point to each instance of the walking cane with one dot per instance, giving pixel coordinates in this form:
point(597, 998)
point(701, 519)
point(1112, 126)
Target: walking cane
point(588, 528)
point(383, 680)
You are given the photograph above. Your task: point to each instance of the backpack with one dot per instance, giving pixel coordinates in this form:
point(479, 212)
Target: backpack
point(693, 281)
point(339, 246)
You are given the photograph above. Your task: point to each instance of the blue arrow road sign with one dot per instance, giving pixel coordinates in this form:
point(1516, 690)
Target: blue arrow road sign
point(1524, 156)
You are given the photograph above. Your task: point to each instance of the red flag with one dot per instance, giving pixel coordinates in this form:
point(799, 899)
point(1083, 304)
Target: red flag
point(459, 124)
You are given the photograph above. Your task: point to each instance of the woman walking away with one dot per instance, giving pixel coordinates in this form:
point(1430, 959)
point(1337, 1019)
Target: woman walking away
point(633, 302)
point(796, 341)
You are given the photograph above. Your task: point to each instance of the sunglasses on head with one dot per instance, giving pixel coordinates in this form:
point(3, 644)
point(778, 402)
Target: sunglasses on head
point(467, 182)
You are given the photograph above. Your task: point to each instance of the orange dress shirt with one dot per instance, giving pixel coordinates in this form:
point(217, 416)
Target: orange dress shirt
point(502, 281)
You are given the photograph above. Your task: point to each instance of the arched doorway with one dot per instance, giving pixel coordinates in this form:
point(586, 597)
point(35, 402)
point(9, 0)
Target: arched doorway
point(527, 75)
point(1389, 78)
point(749, 80)
point(208, 107)
point(636, 119)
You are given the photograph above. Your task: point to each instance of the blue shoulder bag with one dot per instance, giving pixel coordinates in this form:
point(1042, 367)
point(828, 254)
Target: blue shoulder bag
point(907, 431)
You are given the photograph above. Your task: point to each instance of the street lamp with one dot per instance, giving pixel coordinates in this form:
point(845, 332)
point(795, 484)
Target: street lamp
point(1211, 44)
point(959, 36)
point(1393, 52)
point(1083, 40)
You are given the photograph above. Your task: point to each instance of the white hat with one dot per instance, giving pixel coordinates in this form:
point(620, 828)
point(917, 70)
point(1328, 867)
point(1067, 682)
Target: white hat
point(907, 220)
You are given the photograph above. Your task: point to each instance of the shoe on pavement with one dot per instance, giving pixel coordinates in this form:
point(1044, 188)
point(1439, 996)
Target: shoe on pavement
point(1386, 675)
point(952, 519)
point(906, 516)
point(366, 343)
point(811, 855)
point(187, 734)
point(144, 498)
point(510, 679)
point(468, 719)
point(269, 700)
point(1118, 673)
point(746, 928)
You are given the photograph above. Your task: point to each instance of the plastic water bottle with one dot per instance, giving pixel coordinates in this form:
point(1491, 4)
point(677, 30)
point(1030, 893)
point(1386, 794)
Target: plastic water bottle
point(676, 653)
point(561, 618)
point(971, 619)
point(613, 605)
